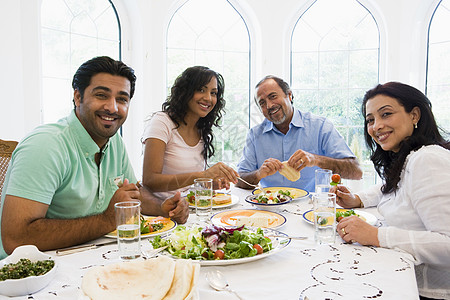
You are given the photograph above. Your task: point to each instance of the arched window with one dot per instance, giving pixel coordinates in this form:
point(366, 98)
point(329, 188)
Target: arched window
point(334, 60)
point(438, 69)
point(72, 33)
point(212, 33)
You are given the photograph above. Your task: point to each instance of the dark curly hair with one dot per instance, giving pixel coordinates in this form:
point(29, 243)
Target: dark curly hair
point(182, 91)
point(389, 164)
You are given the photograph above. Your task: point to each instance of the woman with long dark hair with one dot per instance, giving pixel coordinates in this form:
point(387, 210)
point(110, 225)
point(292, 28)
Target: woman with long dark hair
point(413, 160)
point(179, 139)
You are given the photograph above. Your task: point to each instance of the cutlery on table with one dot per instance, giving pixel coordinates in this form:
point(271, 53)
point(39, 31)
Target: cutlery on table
point(153, 252)
point(256, 186)
point(250, 184)
point(76, 249)
point(288, 237)
point(217, 281)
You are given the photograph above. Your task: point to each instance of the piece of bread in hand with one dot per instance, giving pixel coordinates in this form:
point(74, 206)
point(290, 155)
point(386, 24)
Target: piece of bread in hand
point(289, 172)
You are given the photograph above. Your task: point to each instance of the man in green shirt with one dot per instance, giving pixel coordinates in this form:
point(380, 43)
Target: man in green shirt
point(64, 178)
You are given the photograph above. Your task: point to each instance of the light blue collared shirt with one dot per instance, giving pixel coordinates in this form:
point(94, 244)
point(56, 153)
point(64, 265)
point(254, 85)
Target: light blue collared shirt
point(308, 132)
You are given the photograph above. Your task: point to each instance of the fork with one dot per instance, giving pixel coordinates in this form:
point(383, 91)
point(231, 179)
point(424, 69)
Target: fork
point(153, 252)
point(258, 186)
point(247, 183)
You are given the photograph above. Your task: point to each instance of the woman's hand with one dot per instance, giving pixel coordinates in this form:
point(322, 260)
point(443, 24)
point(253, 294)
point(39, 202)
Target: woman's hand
point(353, 229)
point(222, 175)
point(344, 197)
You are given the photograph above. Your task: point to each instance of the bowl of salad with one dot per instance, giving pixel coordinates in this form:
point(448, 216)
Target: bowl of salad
point(26, 271)
point(216, 245)
point(269, 199)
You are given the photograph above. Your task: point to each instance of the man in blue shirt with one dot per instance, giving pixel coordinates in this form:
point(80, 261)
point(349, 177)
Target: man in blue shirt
point(307, 142)
point(64, 178)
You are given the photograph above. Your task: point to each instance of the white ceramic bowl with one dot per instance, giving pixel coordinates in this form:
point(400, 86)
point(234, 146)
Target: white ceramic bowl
point(27, 285)
point(250, 198)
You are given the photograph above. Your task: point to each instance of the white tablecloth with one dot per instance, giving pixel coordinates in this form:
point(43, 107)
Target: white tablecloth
point(341, 271)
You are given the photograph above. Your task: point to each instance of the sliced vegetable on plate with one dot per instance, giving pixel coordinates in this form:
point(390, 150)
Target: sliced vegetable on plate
point(213, 244)
point(294, 193)
point(276, 197)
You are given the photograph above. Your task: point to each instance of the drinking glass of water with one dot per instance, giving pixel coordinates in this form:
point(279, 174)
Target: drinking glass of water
point(324, 218)
point(323, 180)
point(128, 226)
point(203, 198)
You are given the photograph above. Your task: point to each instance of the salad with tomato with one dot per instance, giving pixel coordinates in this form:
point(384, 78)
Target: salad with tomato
point(272, 197)
point(153, 225)
point(214, 242)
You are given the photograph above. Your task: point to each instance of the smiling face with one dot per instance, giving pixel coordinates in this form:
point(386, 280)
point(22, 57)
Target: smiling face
point(204, 99)
point(274, 103)
point(104, 106)
point(388, 123)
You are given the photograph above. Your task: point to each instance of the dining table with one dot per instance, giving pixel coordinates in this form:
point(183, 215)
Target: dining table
point(301, 270)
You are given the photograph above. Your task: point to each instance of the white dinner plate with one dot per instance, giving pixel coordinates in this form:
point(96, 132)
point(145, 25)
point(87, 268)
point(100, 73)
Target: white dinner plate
point(368, 217)
point(278, 244)
point(166, 229)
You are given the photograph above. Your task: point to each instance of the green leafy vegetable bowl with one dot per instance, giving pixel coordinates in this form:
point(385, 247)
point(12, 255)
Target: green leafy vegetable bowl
point(30, 284)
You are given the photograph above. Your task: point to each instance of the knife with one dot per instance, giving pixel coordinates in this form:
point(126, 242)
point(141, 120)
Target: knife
point(77, 249)
point(288, 237)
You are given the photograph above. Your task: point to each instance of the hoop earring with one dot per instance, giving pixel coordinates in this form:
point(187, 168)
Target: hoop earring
point(415, 126)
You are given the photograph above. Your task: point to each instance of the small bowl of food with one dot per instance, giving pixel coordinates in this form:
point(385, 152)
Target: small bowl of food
point(26, 271)
point(268, 200)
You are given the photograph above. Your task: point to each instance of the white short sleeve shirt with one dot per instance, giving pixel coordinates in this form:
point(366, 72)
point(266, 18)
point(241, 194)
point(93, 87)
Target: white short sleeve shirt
point(179, 156)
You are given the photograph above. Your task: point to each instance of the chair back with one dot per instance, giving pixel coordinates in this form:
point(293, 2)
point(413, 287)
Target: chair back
point(6, 149)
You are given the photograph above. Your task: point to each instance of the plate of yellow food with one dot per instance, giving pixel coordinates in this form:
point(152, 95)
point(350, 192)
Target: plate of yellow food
point(220, 200)
point(342, 212)
point(151, 226)
point(249, 217)
point(294, 193)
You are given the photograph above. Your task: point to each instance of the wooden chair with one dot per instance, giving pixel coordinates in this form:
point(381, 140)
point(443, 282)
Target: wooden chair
point(6, 149)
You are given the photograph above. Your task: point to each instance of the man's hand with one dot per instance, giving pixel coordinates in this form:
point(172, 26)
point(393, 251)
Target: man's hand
point(127, 191)
point(347, 167)
point(173, 207)
point(301, 159)
point(176, 208)
point(269, 167)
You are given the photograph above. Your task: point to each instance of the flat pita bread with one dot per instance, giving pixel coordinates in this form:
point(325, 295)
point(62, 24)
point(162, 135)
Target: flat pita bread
point(141, 279)
point(184, 281)
point(289, 172)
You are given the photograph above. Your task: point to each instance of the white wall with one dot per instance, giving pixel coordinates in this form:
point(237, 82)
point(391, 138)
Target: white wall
point(403, 23)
